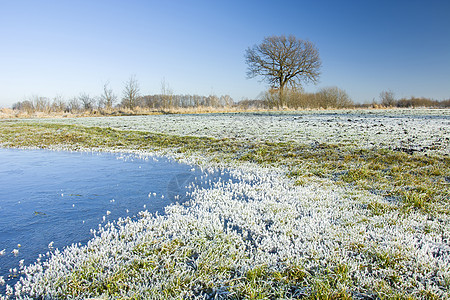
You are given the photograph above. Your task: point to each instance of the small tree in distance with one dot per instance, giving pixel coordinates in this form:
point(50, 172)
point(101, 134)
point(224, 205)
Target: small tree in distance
point(73, 105)
point(58, 104)
point(108, 98)
point(284, 61)
point(86, 101)
point(166, 94)
point(387, 98)
point(131, 93)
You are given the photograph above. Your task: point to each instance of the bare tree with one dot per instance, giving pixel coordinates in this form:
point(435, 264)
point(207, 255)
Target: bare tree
point(108, 98)
point(212, 101)
point(58, 103)
point(226, 101)
point(387, 98)
point(41, 104)
point(73, 105)
point(86, 101)
point(167, 94)
point(131, 93)
point(25, 105)
point(284, 61)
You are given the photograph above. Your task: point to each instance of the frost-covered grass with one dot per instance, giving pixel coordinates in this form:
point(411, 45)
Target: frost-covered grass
point(406, 129)
point(363, 217)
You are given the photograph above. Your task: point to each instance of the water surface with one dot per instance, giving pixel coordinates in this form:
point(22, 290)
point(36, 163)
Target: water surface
point(58, 197)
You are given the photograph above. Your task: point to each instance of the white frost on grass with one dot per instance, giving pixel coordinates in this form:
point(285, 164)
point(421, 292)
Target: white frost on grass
point(261, 218)
point(417, 129)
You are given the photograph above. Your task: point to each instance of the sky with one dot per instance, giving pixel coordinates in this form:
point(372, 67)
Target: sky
point(65, 48)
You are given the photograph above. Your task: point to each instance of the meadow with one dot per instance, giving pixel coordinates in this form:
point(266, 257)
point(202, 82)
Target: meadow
point(345, 204)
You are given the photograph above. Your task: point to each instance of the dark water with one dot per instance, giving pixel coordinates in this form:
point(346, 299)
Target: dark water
point(59, 197)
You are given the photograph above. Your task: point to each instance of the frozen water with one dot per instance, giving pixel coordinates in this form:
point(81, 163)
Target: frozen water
point(51, 199)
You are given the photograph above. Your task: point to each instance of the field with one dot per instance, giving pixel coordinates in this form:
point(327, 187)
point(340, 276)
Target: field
point(350, 204)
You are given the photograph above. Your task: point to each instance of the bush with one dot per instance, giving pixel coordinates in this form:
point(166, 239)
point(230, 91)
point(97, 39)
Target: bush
point(333, 97)
point(329, 97)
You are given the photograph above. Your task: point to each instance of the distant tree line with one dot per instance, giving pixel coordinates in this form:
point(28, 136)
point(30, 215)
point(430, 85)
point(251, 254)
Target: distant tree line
point(131, 99)
point(422, 102)
point(325, 98)
point(162, 101)
point(85, 103)
point(333, 97)
point(133, 102)
point(387, 99)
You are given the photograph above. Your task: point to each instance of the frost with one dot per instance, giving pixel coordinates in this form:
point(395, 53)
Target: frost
point(260, 218)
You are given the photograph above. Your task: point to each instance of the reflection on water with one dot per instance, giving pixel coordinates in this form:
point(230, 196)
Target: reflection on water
point(58, 197)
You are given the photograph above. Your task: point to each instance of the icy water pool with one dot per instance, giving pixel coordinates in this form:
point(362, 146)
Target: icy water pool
point(52, 199)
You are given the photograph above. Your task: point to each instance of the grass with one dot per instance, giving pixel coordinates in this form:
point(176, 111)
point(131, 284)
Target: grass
point(412, 181)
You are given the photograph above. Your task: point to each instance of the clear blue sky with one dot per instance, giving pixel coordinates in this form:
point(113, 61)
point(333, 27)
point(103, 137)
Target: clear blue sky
point(51, 48)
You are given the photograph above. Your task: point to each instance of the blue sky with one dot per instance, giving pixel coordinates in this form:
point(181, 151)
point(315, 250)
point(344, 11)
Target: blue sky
point(51, 48)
